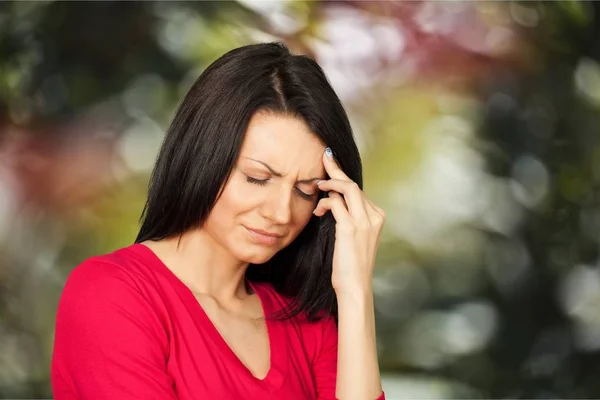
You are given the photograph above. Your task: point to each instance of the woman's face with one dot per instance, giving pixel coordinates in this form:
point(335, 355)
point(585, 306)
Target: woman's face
point(272, 191)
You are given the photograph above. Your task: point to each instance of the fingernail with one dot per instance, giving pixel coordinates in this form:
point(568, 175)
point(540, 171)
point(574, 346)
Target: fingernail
point(329, 153)
point(319, 182)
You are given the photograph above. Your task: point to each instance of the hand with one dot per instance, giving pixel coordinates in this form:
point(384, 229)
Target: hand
point(357, 230)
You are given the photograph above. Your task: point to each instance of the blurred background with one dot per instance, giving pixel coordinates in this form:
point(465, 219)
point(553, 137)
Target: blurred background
point(479, 126)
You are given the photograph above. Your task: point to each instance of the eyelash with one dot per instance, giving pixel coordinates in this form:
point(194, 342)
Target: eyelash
point(263, 182)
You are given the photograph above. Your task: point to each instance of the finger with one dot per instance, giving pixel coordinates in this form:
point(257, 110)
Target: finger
point(370, 209)
point(379, 210)
point(337, 208)
point(376, 214)
point(331, 166)
point(321, 207)
point(336, 195)
point(354, 197)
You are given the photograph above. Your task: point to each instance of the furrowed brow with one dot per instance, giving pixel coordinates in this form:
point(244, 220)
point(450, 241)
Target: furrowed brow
point(279, 174)
point(271, 170)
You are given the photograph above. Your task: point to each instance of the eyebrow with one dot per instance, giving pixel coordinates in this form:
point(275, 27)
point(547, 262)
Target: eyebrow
point(279, 174)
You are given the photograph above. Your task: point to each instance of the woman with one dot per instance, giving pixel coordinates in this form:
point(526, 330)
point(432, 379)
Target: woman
point(251, 275)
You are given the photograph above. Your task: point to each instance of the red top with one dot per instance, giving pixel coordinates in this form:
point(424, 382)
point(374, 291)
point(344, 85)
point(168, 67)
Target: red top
point(128, 328)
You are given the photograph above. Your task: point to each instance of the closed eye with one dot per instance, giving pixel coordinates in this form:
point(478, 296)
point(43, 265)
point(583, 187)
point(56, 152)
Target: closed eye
point(305, 196)
point(263, 182)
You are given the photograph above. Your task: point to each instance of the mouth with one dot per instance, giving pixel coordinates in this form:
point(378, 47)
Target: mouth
point(263, 237)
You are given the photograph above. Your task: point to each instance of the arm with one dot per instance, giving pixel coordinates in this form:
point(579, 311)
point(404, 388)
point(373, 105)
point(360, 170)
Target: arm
point(357, 367)
point(326, 368)
point(109, 343)
point(358, 224)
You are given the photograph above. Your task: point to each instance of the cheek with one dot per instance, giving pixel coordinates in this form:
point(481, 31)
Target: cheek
point(301, 219)
point(238, 197)
point(302, 215)
point(306, 212)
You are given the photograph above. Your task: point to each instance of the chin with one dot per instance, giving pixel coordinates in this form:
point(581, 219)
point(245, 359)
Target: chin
point(256, 257)
point(259, 259)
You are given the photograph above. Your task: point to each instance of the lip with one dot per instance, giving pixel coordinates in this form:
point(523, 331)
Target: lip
point(263, 237)
point(265, 233)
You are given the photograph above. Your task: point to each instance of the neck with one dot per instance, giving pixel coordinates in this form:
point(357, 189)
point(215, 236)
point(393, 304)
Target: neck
point(203, 265)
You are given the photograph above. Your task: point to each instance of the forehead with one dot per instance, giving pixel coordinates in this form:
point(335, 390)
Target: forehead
point(286, 143)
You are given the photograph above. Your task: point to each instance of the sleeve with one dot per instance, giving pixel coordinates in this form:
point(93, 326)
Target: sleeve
point(325, 364)
point(109, 343)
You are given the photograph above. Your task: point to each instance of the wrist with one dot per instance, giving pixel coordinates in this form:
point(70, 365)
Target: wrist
point(356, 296)
point(361, 289)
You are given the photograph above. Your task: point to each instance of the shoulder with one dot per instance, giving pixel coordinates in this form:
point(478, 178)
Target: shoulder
point(110, 293)
point(100, 268)
point(105, 316)
point(103, 276)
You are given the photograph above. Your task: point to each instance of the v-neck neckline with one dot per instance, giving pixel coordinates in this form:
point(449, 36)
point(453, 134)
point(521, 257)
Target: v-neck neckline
point(278, 351)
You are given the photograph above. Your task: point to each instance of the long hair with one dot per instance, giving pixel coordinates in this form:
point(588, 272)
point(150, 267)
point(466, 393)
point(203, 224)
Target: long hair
point(203, 143)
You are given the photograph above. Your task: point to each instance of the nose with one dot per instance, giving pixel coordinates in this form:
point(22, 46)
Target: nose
point(277, 206)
